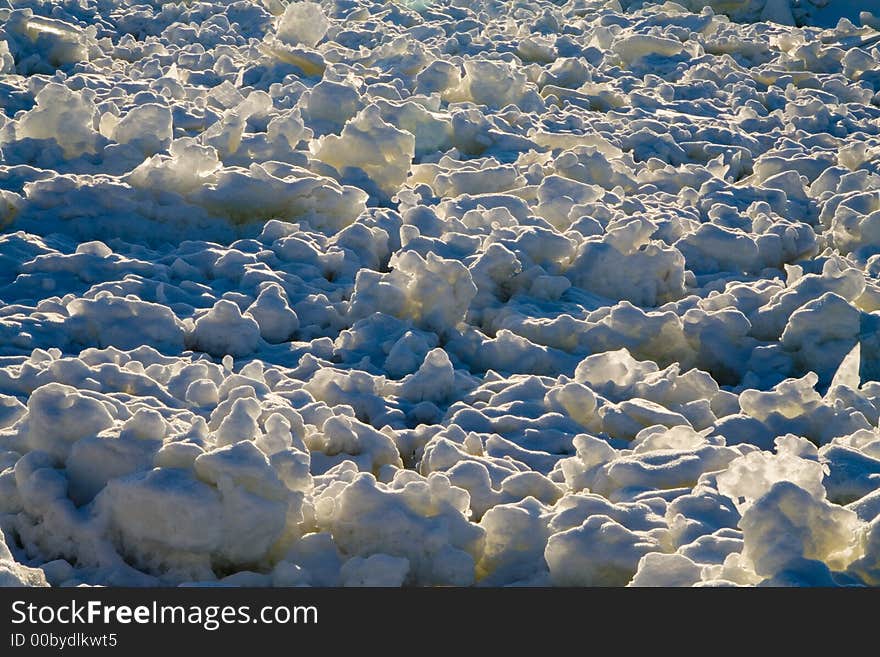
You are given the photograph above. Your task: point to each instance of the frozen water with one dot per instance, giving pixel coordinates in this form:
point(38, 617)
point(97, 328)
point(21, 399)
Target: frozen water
point(361, 293)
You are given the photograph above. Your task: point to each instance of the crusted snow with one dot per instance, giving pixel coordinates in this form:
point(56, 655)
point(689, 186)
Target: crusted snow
point(350, 293)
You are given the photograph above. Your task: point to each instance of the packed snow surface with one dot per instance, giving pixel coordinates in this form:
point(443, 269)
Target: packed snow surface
point(439, 293)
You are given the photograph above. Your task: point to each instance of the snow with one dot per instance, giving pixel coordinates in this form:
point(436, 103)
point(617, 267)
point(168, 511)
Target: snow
point(389, 294)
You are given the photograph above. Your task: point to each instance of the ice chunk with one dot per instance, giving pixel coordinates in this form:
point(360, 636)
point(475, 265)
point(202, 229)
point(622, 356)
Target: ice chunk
point(96, 460)
point(600, 552)
point(42, 44)
point(789, 523)
point(433, 292)
point(635, 47)
point(64, 116)
point(332, 104)
point(368, 143)
point(822, 333)
point(16, 574)
point(778, 11)
point(11, 410)
point(343, 435)
point(240, 423)
point(516, 535)
point(851, 474)
point(645, 272)
point(124, 322)
point(224, 330)
point(626, 419)
point(7, 61)
point(368, 518)
point(613, 372)
point(750, 477)
point(433, 381)
point(376, 570)
point(497, 84)
point(59, 415)
point(275, 317)
point(659, 569)
point(190, 164)
point(302, 22)
point(146, 126)
point(165, 506)
point(867, 567)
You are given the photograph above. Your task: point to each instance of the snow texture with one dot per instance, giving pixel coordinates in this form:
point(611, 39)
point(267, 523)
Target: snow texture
point(364, 293)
